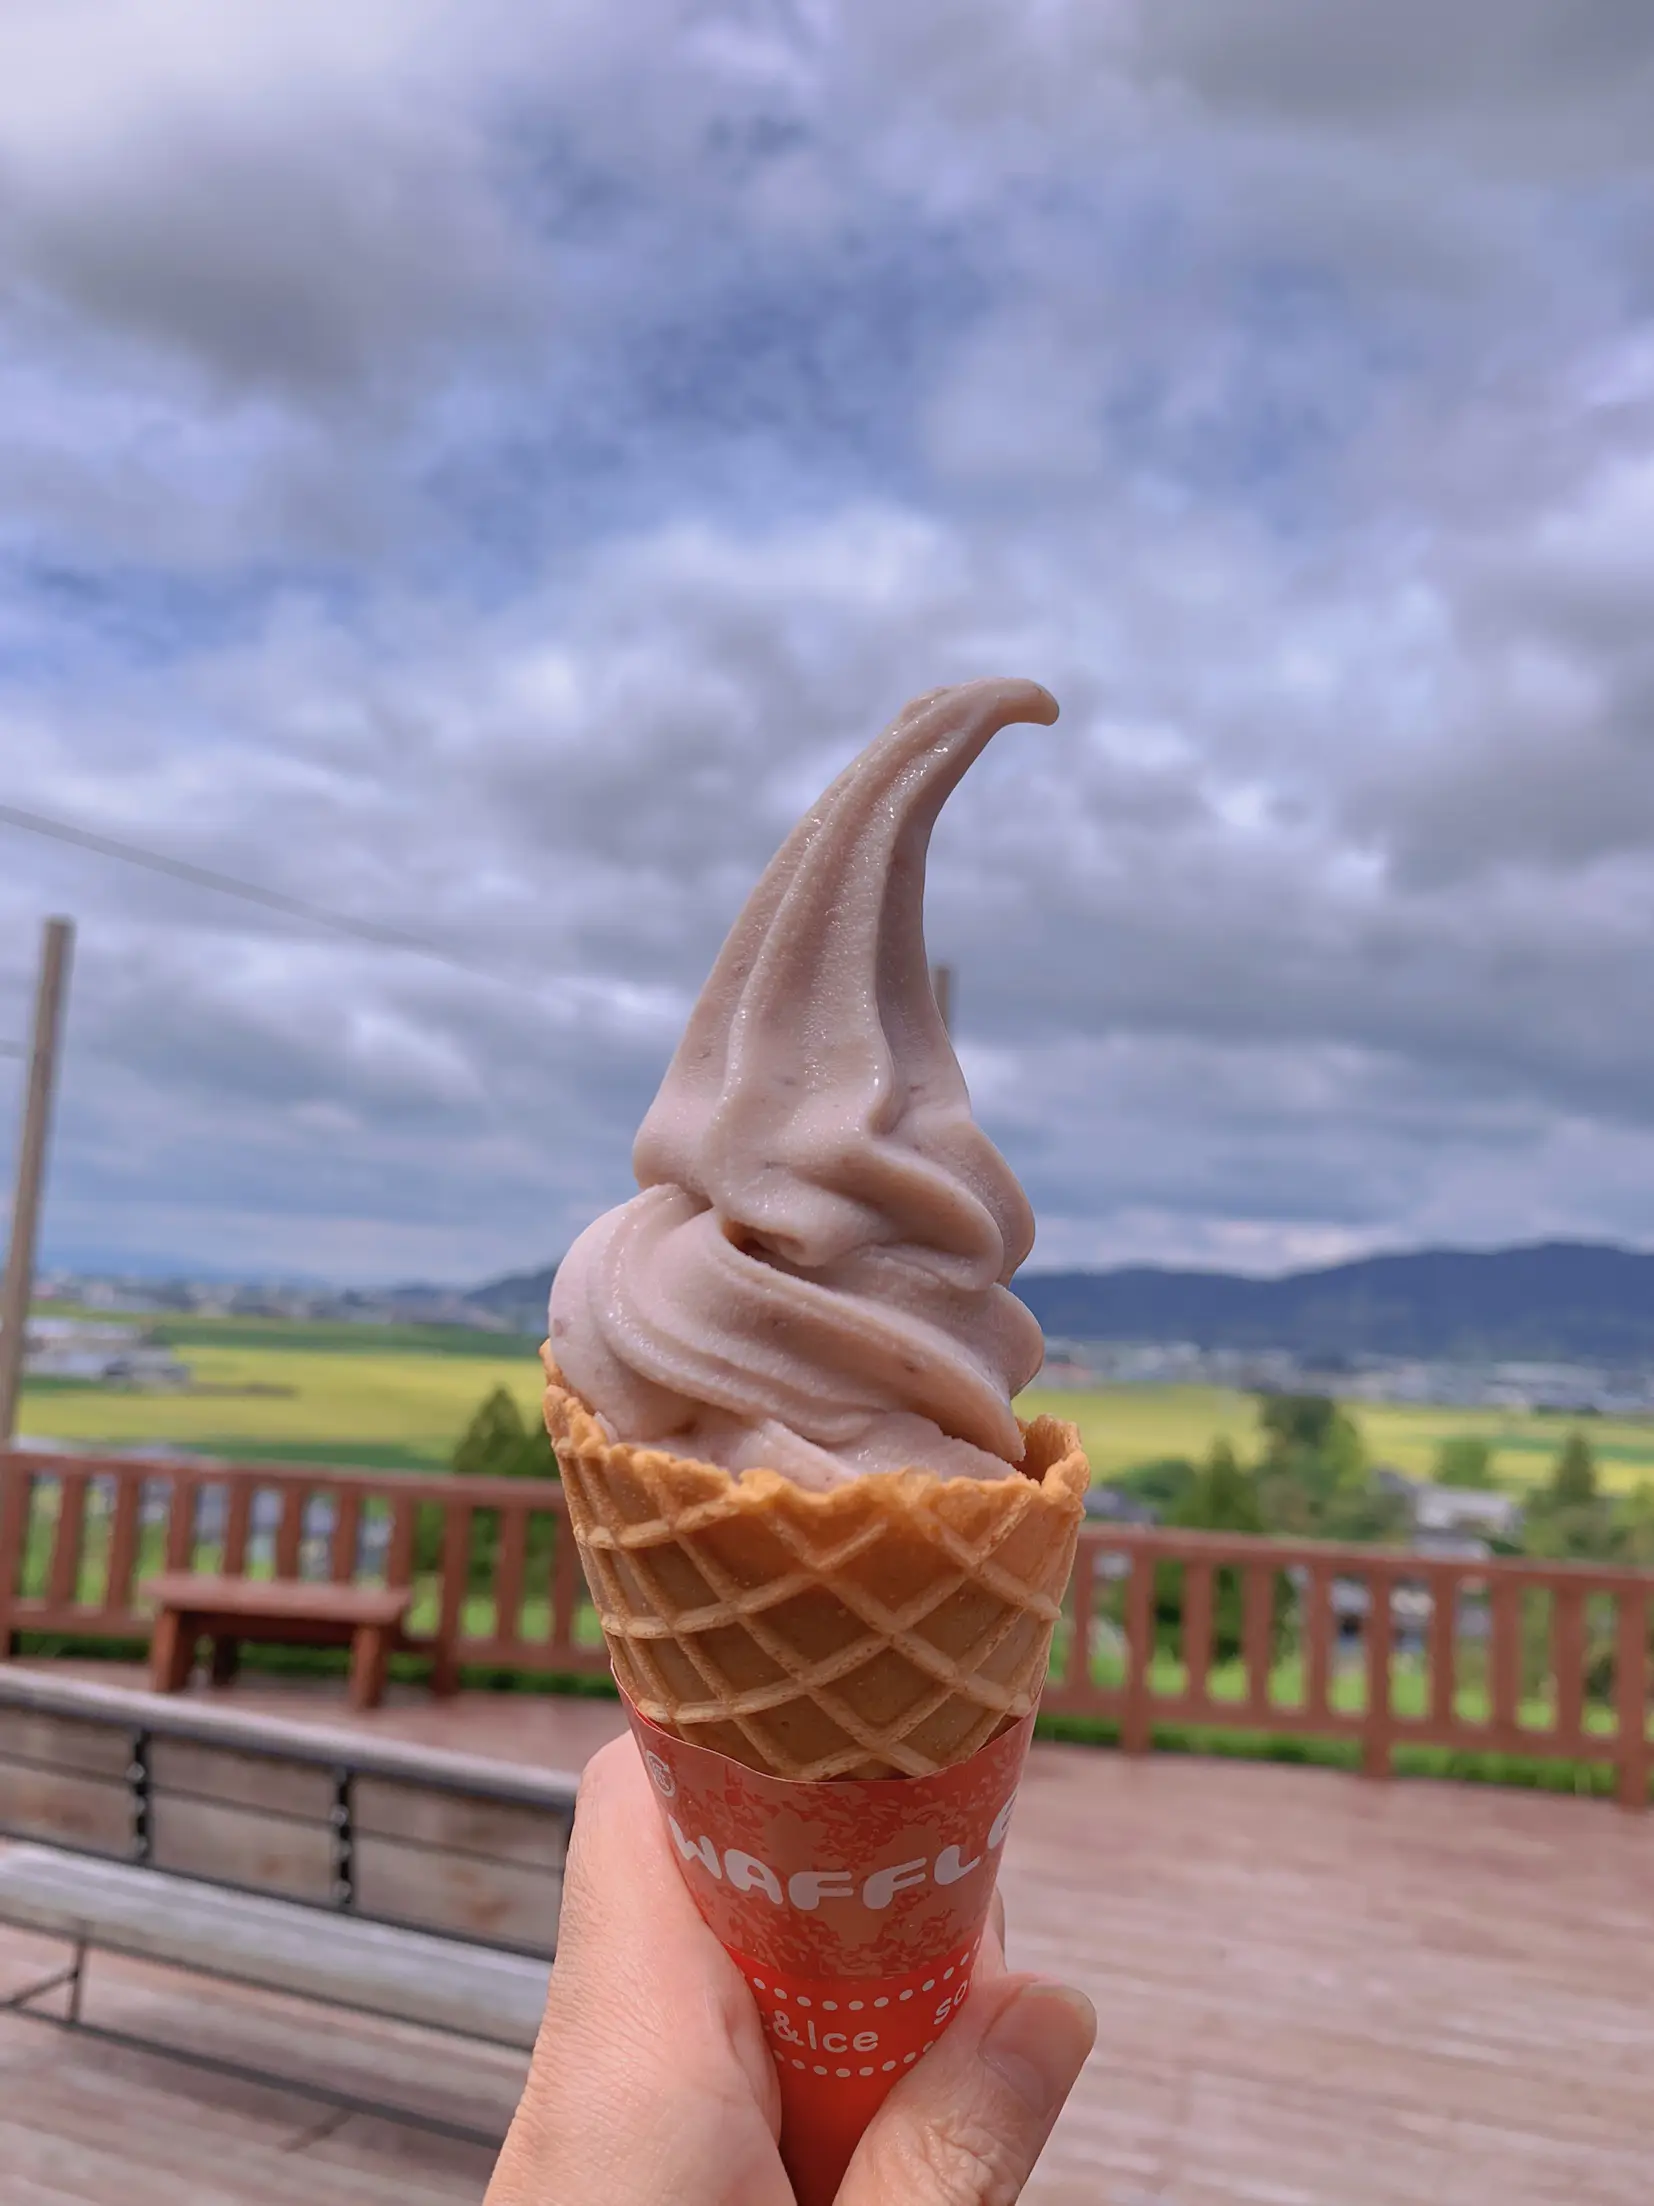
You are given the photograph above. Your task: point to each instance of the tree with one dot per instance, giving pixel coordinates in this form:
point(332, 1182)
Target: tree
point(1569, 1519)
point(1357, 1510)
point(1314, 1466)
point(1314, 1481)
point(1223, 1498)
point(1635, 1517)
point(1164, 1485)
point(1574, 1478)
point(1465, 1461)
point(495, 1444)
point(1309, 1425)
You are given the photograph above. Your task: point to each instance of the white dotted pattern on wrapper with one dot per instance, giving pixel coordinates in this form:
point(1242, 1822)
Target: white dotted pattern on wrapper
point(958, 1967)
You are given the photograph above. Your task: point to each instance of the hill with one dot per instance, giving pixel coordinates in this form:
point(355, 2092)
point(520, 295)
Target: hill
point(1576, 1301)
point(518, 1301)
point(1565, 1300)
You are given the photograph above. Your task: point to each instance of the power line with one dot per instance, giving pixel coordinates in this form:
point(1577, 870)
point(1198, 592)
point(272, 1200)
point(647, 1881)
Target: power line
point(227, 884)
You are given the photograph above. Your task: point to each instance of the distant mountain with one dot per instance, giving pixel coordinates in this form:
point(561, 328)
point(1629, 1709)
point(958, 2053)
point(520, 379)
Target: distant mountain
point(1562, 1300)
point(517, 1302)
point(1556, 1300)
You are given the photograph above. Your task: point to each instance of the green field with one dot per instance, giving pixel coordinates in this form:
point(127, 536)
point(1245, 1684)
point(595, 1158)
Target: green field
point(273, 1393)
point(398, 1398)
point(1127, 1425)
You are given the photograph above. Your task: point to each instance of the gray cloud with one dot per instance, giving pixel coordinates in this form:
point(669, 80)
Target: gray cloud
point(1538, 83)
point(489, 481)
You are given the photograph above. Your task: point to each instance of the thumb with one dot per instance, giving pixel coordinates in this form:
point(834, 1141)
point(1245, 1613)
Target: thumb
point(965, 2128)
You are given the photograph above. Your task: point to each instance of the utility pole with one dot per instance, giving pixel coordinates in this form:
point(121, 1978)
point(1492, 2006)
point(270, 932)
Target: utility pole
point(941, 984)
point(56, 944)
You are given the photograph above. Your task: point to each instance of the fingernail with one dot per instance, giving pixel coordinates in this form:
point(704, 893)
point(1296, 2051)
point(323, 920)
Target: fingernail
point(1038, 2043)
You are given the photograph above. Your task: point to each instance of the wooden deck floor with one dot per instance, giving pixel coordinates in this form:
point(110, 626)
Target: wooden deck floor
point(1313, 1991)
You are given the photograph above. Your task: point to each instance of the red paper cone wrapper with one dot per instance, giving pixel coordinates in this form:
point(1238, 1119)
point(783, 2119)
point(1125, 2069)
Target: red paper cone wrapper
point(854, 1909)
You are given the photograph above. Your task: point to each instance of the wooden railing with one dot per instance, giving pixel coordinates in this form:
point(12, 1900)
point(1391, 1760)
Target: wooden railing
point(1378, 1647)
point(1164, 1630)
point(493, 1560)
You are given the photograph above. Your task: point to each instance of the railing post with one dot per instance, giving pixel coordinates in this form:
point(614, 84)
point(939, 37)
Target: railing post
point(1258, 1633)
point(346, 1535)
point(456, 1571)
point(510, 1554)
point(1316, 1625)
point(290, 1532)
point(1568, 1661)
point(1631, 1700)
point(123, 1542)
point(1197, 1632)
point(1077, 1681)
point(1136, 1719)
point(399, 1547)
point(565, 1582)
point(1443, 1644)
point(16, 1488)
point(180, 1549)
point(238, 1523)
point(1378, 1723)
point(1504, 1659)
point(63, 1576)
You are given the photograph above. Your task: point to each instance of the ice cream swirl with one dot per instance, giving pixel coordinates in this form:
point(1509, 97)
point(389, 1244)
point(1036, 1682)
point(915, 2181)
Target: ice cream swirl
point(813, 1276)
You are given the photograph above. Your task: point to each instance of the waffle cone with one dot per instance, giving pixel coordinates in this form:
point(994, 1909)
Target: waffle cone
point(888, 1627)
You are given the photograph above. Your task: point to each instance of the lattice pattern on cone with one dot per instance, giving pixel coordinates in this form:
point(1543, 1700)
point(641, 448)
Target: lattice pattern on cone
point(887, 1627)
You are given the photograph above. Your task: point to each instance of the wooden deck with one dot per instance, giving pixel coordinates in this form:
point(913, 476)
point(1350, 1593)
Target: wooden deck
point(1314, 1991)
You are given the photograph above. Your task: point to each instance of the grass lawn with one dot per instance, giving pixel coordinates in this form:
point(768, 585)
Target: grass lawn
point(1347, 1689)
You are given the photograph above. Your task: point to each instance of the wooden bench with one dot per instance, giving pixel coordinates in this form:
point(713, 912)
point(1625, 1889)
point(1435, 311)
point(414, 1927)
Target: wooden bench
point(399, 1882)
point(272, 1945)
point(191, 1607)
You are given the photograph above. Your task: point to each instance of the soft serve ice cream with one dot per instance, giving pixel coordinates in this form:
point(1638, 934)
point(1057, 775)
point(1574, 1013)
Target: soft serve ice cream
point(779, 1385)
point(813, 1278)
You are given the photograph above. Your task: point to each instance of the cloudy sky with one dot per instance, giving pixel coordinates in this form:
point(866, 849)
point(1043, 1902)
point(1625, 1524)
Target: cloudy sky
point(480, 470)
